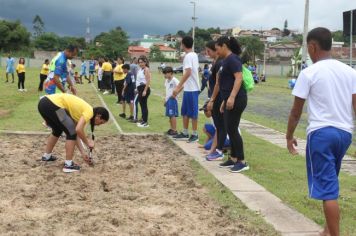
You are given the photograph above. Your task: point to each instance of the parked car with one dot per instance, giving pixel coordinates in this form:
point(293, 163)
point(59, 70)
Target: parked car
point(178, 69)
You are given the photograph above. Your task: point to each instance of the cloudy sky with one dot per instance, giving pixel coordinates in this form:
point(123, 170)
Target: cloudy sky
point(138, 17)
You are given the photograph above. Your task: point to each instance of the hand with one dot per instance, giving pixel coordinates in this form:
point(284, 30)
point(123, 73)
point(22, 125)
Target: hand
point(144, 94)
point(90, 144)
point(175, 92)
point(88, 160)
point(222, 107)
point(73, 90)
point(209, 107)
point(291, 145)
point(230, 103)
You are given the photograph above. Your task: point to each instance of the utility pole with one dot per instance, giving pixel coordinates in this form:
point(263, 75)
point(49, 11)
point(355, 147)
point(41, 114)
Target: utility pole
point(194, 19)
point(87, 35)
point(305, 33)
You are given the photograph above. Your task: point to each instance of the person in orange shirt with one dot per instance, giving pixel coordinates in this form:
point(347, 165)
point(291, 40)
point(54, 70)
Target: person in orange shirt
point(43, 74)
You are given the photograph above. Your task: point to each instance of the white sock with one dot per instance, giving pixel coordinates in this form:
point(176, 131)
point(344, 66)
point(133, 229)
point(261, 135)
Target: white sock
point(68, 162)
point(218, 151)
point(47, 155)
point(195, 133)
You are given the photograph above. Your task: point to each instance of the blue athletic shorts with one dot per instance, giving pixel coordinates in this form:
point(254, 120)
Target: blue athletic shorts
point(129, 97)
point(172, 107)
point(10, 70)
point(207, 146)
point(210, 128)
point(190, 104)
point(92, 72)
point(325, 149)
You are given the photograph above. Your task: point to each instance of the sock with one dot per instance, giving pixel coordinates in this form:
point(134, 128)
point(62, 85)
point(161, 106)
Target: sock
point(218, 151)
point(68, 162)
point(185, 131)
point(195, 133)
point(47, 155)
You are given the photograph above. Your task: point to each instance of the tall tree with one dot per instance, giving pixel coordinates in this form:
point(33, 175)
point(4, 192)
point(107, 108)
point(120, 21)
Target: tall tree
point(156, 54)
point(38, 26)
point(13, 36)
point(252, 47)
point(47, 42)
point(286, 31)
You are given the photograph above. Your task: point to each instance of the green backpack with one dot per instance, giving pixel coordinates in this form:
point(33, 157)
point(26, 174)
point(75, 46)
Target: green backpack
point(247, 79)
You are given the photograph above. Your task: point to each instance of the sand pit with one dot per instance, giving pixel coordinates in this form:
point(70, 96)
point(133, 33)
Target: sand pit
point(139, 186)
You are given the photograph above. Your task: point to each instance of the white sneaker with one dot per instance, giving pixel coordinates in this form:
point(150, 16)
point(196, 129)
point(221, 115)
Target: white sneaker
point(143, 125)
point(20, 90)
point(106, 92)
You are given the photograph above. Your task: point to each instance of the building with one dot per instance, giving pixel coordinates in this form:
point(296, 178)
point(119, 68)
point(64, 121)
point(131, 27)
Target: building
point(137, 51)
point(282, 50)
point(168, 52)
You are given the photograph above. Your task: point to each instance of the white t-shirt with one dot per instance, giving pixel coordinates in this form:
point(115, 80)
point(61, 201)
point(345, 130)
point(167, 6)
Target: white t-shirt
point(328, 86)
point(191, 61)
point(100, 73)
point(141, 78)
point(170, 86)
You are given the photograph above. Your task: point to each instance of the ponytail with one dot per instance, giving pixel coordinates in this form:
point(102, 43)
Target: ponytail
point(231, 43)
point(104, 115)
point(211, 45)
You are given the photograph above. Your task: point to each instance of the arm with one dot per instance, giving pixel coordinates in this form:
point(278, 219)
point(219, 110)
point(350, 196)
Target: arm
point(178, 89)
point(71, 85)
point(215, 93)
point(354, 102)
point(148, 81)
point(237, 85)
point(58, 83)
point(81, 134)
point(293, 120)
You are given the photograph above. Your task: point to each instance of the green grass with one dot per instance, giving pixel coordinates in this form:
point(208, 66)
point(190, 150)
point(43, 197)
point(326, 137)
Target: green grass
point(285, 176)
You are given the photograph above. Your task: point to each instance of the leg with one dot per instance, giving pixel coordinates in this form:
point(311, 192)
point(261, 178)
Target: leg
point(195, 124)
point(117, 87)
point(173, 122)
point(51, 142)
point(70, 145)
point(13, 77)
point(185, 122)
point(124, 107)
point(23, 81)
point(7, 77)
point(214, 144)
point(332, 216)
point(131, 105)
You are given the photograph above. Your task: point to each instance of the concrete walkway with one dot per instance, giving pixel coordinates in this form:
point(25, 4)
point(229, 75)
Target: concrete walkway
point(278, 138)
point(283, 218)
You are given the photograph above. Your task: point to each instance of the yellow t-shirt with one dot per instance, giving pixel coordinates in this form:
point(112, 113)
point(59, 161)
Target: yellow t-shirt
point(20, 68)
point(107, 67)
point(45, 69)
point(119, 73)
point(76, 106)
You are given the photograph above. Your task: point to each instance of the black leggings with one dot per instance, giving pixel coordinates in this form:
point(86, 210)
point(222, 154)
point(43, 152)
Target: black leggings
point(143, 101)
point(42, 79)
point(119, 85)
point(57, 118)
point(218, 119)
point(106, 82)
point(232, 121)
point(21, 83)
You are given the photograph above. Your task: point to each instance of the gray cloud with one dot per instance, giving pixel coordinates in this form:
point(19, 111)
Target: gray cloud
point(138, 17)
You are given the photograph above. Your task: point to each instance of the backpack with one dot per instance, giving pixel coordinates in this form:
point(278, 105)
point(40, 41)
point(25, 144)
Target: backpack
point(247, 79)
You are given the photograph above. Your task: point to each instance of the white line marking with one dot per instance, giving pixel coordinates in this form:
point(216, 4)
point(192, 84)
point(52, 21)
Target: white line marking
point(111, 115)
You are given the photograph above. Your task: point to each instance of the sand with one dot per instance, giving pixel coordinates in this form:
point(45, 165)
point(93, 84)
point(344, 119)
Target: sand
point(138, 186)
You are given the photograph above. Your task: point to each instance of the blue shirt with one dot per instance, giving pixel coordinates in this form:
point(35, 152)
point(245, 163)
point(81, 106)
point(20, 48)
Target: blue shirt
point(10, 63)
point(83, 68)
point(130, 82)
point(206, 74)
point(231, 65)
point(91, 65)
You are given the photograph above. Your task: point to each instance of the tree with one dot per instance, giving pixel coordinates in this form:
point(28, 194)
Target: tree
point(156, 54)
point(252, 47)
point(13, 36)
point(112, 43)
point(286, 31)
point(47, 42)
point(38, 26)
point(63, 42)
point(181, 33)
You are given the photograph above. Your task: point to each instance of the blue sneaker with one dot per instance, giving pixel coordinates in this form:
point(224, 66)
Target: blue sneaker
point(215, 156)
point(239, 167)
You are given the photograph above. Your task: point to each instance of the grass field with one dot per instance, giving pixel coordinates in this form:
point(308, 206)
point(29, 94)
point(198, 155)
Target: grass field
point(272, 167)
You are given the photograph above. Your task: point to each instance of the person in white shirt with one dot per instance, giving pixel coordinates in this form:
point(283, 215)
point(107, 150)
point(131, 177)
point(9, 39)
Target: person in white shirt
point(190, 83)
point(329, 87)
point(171, 103)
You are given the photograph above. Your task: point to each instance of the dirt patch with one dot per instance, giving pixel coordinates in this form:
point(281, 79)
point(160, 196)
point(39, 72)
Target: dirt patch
point(4, 113)
point(139, 186)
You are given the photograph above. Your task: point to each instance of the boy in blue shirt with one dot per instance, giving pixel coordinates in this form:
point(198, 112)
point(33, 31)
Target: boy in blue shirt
point(10, 69)
point(128, 92)
point(205, 78)
point(83, 71)
point(92, 63)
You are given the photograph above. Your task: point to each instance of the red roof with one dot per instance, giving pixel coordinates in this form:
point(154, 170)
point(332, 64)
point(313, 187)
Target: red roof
point(138, 49)
point(165, 48)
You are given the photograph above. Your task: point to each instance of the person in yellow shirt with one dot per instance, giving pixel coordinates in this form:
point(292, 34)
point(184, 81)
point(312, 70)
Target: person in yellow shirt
point(107, 70)
point(43, 74)
point(20, 70)
point(70, 114)
point(119, 79)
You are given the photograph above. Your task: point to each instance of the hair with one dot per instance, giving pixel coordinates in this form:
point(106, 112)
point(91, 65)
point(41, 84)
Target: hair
point(206, 66)
point(187, 41)
point(100, 63)
point(322, 36)
point(72, 48)
point(23, 59)
point(168, 69)
point(76, 72)
point(106, 59)
point(133, 59)
point(104, 115)
point(231, 43)
point(211, 45)
point(122, 59)
point(145, 60)
point(126, 66)
point(46, 61)
point(73, 65)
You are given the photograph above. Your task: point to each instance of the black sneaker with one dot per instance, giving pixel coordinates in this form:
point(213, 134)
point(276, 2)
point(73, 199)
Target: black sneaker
point(239, 167)
point(130, 118)
point(227, 164)
point(52, 158)
point(181, 136)
point(168, 131)
point(172, 132)
point(123, 115)
point(72, 168)
point(193, 139)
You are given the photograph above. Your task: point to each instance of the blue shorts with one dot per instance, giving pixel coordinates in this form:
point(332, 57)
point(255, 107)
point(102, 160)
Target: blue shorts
point(129, 97)
point(172, 107)
point(325, 149)
point(210, 129)
point(92, 72)
point(83, 73)
point(10, 70)
point(190, 104)
point(208, 144)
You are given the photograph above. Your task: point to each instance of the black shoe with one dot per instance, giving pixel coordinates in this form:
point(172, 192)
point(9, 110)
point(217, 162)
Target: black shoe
point(172, 132)
point(123, 115)
point(181, 136)
point(133, 121)
point(227, 164)
point(193, 139)
point(52, 158)
point(72, 168)
point(168, 131)
point(130, 118)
